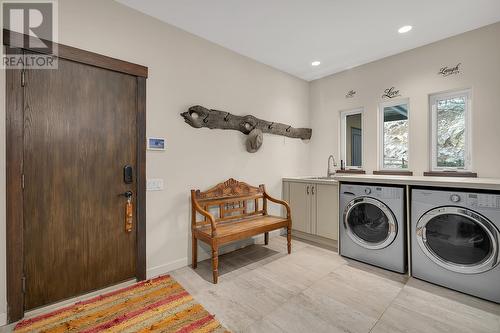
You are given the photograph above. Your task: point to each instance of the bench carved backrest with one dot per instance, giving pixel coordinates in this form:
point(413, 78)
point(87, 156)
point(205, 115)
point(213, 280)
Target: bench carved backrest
point(231, 200)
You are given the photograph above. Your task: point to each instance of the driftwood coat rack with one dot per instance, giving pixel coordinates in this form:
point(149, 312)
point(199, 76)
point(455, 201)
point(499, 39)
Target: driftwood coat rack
point(198, 116)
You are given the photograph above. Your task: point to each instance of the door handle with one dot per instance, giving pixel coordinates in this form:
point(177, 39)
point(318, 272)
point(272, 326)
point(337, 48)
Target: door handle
point(307, 189)
point(312, 190)
point(127, 194)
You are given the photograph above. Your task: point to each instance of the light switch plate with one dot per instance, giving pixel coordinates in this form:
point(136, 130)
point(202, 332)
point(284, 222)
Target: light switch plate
point(154, 184)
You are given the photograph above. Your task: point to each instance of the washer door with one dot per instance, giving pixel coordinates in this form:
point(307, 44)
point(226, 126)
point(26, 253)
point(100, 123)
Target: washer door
point(458, 239)
point(370, 223)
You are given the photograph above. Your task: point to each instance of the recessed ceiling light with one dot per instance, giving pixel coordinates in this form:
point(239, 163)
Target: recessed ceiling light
point(405, 29)
point(315, 63)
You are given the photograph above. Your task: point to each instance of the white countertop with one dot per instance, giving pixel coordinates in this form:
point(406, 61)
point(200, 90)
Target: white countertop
point(461, 182)
point(458, 182)
point(312, 179)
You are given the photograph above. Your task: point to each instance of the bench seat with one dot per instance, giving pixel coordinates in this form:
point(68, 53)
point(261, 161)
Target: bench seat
point(248, 227)
point(241, 212)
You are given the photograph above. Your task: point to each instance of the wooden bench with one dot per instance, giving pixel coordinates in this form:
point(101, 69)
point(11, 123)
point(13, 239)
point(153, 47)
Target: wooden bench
point(233, 211)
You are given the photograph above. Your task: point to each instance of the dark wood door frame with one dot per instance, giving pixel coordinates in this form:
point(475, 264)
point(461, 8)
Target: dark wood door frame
point(14, 161)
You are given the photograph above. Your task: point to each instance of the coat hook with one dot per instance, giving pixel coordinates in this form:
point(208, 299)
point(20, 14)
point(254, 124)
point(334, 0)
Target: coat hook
point(205, 120)
point(271, 126)
point(226, 118)
point(288, 129)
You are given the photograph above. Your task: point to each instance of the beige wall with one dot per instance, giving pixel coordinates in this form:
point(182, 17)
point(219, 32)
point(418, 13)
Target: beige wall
point(186, 70)
point(414, 73)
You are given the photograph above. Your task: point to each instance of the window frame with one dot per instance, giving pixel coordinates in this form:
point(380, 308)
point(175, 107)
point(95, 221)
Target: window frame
point(383, 105)
point(343, 141)
point(433, 98)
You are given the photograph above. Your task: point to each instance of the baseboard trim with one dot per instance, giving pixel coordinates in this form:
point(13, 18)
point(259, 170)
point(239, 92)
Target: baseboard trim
point(315, 239)
point(3, 319)
point(165, 268)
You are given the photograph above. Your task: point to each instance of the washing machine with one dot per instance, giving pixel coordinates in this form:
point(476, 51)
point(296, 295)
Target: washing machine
point(372, 225)
point(455, 240)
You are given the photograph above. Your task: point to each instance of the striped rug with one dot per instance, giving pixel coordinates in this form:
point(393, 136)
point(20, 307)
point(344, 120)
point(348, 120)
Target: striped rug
point(156, 305)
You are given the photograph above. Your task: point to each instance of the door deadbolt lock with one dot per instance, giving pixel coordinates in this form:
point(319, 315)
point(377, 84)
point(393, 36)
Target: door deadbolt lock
point(128, 174)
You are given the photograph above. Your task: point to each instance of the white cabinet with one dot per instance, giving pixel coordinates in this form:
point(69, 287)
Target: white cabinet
point(327, 210)
point(300, 202)
point(314, 208)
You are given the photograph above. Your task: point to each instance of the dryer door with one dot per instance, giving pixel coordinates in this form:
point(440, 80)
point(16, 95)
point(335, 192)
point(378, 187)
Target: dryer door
point(458, 239)
point(370, 223)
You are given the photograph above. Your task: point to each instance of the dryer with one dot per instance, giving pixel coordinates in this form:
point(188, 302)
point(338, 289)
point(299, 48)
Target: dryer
point(455, 240)
point(372, 225)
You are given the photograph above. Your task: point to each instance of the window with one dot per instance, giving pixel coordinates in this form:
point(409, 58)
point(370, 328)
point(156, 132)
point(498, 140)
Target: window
point(394, 129)
point(351, 138)
point(450, 123)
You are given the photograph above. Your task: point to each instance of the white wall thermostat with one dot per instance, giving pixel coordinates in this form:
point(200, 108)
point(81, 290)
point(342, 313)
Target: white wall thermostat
point(156, 143)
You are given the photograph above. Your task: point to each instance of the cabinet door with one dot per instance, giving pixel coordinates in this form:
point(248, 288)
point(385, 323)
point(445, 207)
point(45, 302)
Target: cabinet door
point(327, 210)
point(300, 203)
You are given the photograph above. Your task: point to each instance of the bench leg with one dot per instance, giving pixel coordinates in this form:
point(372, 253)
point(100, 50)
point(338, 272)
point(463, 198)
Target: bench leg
point(289, 238)
point(266, 238)
point(215, 263)
point(194, 252)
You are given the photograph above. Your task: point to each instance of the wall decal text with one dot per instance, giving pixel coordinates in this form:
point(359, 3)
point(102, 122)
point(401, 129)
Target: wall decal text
point(391, 93)
point(350, 94)
point(447, 71)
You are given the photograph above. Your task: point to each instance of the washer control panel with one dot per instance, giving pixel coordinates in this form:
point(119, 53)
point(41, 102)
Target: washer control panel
point(385, 192)
point(483, 200)
point(378, 192)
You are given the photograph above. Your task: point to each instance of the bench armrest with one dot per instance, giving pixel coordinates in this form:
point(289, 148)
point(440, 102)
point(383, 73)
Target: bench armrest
point(280, 202)
point(210, 217)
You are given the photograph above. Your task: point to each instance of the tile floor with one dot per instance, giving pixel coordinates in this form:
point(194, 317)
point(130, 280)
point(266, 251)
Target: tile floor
point(262, 289)
point(313, 290)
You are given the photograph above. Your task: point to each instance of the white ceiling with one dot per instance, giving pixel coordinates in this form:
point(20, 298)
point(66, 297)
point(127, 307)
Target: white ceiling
point(290, 34)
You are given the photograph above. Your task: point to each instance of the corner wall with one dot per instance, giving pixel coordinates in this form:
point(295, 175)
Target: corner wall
point(414, 73)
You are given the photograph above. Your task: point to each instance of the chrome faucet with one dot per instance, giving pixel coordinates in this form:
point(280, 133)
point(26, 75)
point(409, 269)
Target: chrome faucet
point(329, 171)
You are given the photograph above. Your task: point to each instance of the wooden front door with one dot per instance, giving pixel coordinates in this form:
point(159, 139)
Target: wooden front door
point(79, 132)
